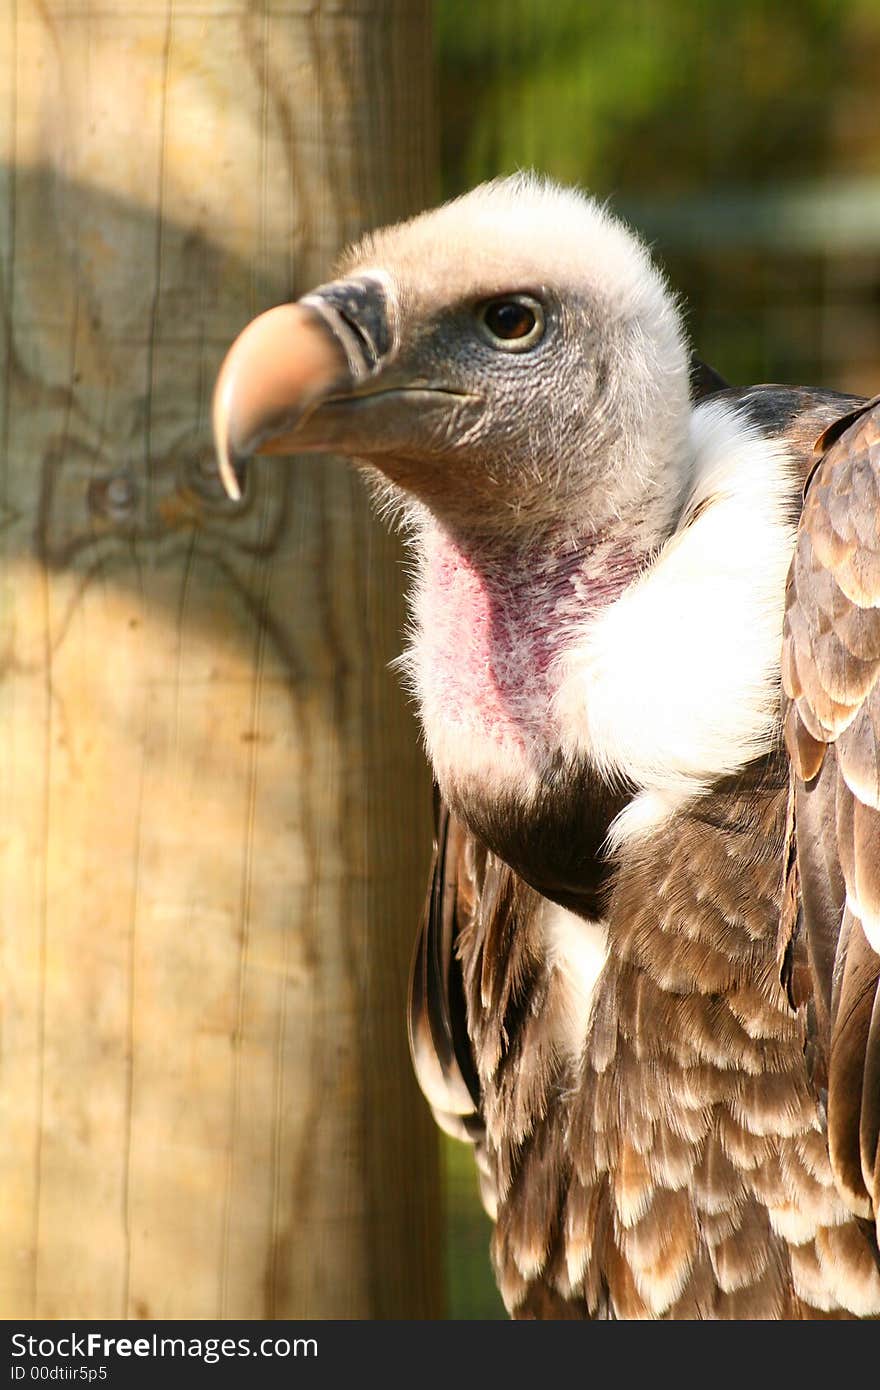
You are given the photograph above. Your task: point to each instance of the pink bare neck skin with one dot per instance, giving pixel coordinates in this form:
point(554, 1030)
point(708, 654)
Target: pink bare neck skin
point(495, 619)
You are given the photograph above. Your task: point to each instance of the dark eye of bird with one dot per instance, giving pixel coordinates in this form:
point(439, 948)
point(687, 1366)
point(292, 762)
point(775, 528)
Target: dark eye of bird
point(508, 319)
point(515, 322)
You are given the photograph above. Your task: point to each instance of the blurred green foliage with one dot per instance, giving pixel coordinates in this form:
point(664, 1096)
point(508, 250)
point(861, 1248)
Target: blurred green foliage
point(470, 1288)
point(744, 140)
point(656, 94)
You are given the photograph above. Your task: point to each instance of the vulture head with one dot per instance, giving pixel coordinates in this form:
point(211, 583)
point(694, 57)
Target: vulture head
point(512, 360)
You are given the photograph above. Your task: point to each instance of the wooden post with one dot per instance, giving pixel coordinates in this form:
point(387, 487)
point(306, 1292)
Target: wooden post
point(213, 813)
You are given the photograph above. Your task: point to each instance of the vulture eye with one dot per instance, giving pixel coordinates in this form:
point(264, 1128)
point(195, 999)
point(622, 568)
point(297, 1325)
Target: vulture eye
point(514, 323)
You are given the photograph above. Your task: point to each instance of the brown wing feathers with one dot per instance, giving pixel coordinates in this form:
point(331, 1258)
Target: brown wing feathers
point(831, 677)
point(438, 1034)
point(482, 1010)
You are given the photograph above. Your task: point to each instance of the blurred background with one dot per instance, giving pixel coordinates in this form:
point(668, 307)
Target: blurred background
point(214, 813)
point(743, 141)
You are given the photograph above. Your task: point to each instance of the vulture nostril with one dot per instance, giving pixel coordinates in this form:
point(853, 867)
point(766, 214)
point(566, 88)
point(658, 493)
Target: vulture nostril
point(371, 356)
point(362, 307)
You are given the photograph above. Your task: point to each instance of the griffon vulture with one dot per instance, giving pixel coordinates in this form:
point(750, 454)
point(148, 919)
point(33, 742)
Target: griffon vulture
point(645, 988)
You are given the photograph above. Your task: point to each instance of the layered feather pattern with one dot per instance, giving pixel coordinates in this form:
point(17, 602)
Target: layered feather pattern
point(676, 1167)
point(831, 676)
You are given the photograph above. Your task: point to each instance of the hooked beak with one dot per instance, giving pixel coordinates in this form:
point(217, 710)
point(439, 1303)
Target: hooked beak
point(287, 362)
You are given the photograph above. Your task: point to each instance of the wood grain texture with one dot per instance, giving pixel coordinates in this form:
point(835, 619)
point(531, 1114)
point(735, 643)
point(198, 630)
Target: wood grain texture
point(213, 814)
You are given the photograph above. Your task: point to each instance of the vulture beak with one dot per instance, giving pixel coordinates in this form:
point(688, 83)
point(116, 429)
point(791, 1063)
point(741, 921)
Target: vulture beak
point(329, 346)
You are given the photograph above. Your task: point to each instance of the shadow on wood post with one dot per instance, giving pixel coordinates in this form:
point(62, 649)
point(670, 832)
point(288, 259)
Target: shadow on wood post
point(213, 808)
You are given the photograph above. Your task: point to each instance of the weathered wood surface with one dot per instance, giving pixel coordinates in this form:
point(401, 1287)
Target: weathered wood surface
point(212, 806)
